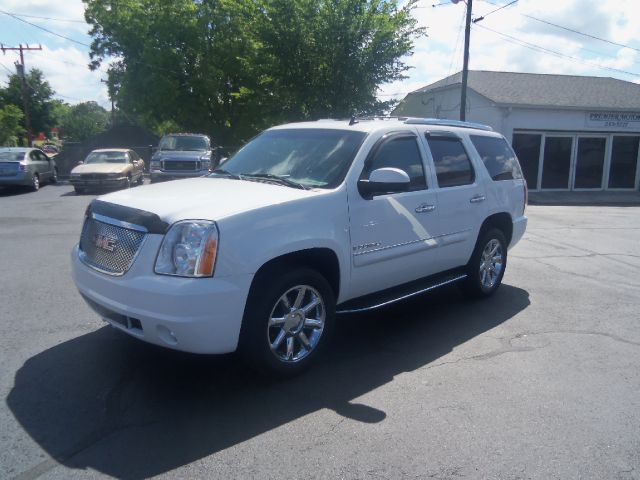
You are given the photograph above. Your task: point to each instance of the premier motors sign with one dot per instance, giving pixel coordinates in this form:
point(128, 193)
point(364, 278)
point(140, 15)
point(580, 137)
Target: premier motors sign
point(630, 120)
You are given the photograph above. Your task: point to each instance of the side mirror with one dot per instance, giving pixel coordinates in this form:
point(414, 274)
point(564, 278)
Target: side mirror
point(384, 180)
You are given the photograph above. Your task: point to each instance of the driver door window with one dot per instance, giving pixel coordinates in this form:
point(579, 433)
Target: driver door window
point(400, 152)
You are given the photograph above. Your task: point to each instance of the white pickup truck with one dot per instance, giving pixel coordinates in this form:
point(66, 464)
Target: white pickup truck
point(306, 221)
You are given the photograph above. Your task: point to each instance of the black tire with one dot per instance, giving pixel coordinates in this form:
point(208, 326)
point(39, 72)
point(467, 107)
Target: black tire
point(54, 176)
point(128, 183)
point(140, 180)
point(481, 282)
point(79, 191)
point(265, 301)
point(35, 182)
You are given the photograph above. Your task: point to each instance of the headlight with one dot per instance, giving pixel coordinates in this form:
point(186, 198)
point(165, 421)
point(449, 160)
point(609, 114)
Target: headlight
point(188, 249)
point(205, 162)
point(75, 175)
point(155, 163)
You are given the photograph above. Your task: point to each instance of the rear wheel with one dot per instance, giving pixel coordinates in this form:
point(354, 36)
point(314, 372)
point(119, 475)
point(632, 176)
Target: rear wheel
point(35, 182)
point(487, 265)
point(54, 176)
point(287, 321)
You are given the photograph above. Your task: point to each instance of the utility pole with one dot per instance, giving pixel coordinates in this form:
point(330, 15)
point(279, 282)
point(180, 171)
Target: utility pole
point(21, 71)
point(113, 119)
point(465, 65)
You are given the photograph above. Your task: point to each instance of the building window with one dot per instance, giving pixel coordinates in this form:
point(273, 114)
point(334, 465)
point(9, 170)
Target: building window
point(624, 162)
point(590, 162)
point(556, 164)
point(527, 148)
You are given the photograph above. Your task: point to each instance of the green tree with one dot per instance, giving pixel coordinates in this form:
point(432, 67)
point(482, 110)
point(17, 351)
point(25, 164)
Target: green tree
point(39, 99)
point(10, 125)
point(82, 121)
point(233, 67)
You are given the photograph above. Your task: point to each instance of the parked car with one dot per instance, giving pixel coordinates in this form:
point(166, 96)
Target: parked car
point(305, 221)
point(182, 155)
point(26, 166)
point(108, 168)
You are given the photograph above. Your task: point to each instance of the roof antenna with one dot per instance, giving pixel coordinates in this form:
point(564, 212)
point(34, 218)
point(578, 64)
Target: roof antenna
point(353, 120)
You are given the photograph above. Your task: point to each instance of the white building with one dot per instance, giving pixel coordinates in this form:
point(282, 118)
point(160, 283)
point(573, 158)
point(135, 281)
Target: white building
point(569, 132)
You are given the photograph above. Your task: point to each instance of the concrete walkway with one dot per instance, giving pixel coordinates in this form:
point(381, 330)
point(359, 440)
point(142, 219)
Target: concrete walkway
point(621, 199)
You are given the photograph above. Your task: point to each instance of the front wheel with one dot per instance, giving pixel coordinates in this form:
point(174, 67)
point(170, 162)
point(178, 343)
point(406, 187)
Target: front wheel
point(487, 265)
point(35, 182)
point(54, 176)
point(287, 320)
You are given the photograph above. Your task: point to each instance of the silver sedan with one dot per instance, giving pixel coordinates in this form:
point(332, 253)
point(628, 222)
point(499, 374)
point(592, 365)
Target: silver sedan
point(26, 166)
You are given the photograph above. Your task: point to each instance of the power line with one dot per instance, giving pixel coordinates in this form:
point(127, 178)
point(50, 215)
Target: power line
point(493, 11)
point(555, 53)
point(570, 29)
point(46, 18)
point(45, 29)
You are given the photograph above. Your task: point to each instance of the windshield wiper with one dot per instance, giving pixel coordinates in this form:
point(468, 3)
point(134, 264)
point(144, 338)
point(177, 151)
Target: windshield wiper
point(277, 178)
point(222, 171)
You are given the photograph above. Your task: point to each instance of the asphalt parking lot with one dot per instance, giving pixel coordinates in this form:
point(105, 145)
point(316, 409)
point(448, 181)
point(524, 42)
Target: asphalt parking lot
point(542, 381)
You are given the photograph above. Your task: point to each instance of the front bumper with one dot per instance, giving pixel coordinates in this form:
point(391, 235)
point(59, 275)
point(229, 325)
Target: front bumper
point(160, 175)
point(98, 183)
point(199, 315)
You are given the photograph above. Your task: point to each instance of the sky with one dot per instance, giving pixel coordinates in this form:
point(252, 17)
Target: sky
point(510, 39)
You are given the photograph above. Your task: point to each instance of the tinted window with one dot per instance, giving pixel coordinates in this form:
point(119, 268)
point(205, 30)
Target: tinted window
point(400, 153)
point(452, 163)
point(498, 157)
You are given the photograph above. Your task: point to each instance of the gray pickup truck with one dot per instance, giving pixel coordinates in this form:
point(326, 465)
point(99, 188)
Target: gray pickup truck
point(182, 155)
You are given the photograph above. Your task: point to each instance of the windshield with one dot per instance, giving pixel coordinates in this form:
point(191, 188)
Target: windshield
point(311, 157)
point(184, 143)
point(106, 157)
point(11, 156)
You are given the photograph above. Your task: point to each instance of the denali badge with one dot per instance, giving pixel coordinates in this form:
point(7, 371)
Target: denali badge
point(105, 242)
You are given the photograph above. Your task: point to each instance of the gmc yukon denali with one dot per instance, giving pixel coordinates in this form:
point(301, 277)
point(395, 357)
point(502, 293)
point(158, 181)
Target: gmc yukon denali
point(306, 221)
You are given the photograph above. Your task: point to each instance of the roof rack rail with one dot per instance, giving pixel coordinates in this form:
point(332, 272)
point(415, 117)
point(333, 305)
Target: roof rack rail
point(447, 123)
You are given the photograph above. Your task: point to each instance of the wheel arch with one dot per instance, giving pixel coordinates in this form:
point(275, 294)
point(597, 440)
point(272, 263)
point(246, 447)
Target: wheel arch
point(323, 260)
point(501, 221)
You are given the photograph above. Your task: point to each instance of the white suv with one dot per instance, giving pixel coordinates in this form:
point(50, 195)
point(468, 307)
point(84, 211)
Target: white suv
point(306, 221)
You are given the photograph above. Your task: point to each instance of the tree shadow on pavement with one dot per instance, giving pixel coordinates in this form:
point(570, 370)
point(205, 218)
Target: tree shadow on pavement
point(130, 410)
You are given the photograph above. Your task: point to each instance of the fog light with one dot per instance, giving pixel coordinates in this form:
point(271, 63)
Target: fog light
point(166, 335)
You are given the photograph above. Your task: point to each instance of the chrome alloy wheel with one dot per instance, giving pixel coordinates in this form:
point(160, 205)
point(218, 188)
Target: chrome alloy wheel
point(296, 323)
point(491, 264)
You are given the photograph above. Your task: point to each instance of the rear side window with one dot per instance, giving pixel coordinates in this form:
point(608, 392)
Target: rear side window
point(402, 153)
point(498, 157)
point(453, 167)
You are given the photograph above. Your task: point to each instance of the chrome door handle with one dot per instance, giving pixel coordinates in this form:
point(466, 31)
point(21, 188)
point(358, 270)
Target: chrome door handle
point(425, 208)
point(477, 199)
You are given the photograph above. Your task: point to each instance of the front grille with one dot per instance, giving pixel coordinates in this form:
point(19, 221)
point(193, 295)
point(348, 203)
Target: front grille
point(109, 248)
point(94, 176)
point(184, 166)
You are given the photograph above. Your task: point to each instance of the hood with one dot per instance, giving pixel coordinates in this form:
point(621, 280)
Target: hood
point(205, 198)
point(178, 155)
point(100, 168)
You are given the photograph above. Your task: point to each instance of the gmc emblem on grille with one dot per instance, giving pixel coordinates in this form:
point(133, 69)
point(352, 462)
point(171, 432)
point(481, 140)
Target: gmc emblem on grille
point(105, 242)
